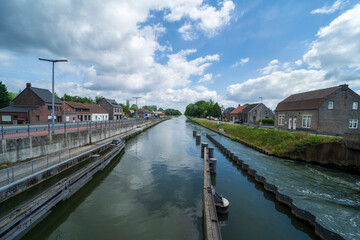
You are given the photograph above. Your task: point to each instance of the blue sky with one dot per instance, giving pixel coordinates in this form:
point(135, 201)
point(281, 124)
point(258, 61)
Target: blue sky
point(172, 53)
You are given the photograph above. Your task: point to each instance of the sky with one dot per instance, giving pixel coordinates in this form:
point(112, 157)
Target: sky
point(172, 53)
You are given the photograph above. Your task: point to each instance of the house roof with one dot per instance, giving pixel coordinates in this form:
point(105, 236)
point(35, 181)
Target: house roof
point(249, 107)
point(17, 109)
point(228, 110)
point(45, 95)
point(70, 107)
point(305, 100)
point(238, 109)
point(142, 110)
point(112, 102)
point(95, 108)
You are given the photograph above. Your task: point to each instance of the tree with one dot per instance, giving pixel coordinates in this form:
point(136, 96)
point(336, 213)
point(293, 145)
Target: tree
point(203, 109)
point(161, 110)
point(216, 110)
point(4, 96)
point(69, 98)
point(134, 107)
point(98, 99)
point(150, 108)
point(172, 112)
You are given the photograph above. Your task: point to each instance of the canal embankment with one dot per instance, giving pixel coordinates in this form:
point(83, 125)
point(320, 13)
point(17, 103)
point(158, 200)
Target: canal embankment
point(302, 214)
point(316, 149)
point(25, 178)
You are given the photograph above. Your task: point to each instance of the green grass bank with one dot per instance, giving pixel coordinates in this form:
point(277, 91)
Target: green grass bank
point(272, 141)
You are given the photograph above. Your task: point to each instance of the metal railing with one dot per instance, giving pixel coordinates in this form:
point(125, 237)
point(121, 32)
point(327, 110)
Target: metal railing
point(27, 130)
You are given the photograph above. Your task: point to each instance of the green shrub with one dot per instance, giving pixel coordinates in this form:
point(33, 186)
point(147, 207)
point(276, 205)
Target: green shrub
point(267, 121)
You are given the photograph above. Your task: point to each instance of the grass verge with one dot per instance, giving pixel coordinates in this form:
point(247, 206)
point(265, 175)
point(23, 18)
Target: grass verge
point(271, 140)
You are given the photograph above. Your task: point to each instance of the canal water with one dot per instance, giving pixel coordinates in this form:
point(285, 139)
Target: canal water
point(154, 191)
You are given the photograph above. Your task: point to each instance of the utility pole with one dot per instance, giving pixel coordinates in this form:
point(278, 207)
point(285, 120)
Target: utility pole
point(53, 93)
point(136, 106)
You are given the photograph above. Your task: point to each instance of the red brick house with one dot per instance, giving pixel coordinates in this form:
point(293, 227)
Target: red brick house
point(32, 105)
point(76, 112)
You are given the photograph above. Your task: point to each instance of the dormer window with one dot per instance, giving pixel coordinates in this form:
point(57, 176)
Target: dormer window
point(330, 105)
point(355, 105)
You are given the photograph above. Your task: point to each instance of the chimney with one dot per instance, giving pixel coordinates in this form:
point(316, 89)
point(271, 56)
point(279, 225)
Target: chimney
point(28, 85)
point(344, 87)
point(239, 105)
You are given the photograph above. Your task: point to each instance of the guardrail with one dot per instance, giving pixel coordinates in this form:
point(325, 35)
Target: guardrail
point(24, 130)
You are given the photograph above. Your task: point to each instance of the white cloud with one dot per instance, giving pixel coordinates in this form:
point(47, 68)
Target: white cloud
point(329, 9)
point(299, 62)
point(241, 62)
point(271, 67)
point(208, 19)
point(337, 44)
point(187, 32)
point(206, 78)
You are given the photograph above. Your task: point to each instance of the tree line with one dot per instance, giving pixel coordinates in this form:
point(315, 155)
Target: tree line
point(203, 109)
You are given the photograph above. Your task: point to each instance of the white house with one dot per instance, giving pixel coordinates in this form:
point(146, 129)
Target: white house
point(98, 113)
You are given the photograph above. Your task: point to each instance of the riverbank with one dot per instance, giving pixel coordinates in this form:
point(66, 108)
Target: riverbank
point(270, 141)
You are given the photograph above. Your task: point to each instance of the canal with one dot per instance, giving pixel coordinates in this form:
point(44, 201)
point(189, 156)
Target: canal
point(154, 191)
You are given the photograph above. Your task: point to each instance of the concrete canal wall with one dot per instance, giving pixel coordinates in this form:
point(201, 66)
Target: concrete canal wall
point(21, 185)
point(19, 149)
point(321, 231)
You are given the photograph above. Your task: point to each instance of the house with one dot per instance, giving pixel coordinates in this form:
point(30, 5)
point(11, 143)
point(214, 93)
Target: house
point(32, 105)
point(159, 114)
point(76, 112)
point(113, 108)
point(98, 113)
point(332, 110)
point(143, 113)
point(226, 113)
point(251, 113)
point(234, 114)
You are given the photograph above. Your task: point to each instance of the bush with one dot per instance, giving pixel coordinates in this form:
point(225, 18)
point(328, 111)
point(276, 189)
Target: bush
point(267, 121)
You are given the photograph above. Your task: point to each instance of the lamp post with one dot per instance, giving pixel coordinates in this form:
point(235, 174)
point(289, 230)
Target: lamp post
point(261, 99)
point(136, 106)
point(53, 96)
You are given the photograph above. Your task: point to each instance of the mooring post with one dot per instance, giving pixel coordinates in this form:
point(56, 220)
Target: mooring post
point(194, 133)
point(211, 152)
point(203, 146)
point(212, 164)
point(198, 139)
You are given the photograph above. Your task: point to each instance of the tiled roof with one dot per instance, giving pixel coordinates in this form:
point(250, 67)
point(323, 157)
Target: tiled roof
point(305, 100)
point(69, 107)
point(112, 102)
point(17, 109)
point(45, 95)
point(238, 109)
point(95, 108)
point(142, 111)
point(249, 107)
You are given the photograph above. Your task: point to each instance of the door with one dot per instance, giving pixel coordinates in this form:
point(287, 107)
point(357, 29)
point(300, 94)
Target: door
point(290, 122)
point(294, 123)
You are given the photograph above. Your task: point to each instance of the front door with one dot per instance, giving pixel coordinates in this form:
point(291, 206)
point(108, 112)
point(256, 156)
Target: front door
point(290, 122)
point(294, 123)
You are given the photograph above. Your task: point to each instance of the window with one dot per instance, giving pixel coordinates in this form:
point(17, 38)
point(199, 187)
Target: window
point(330, 105)
point(306, 121)
point(355, 106)
point(265, 111)
point(353, 123)
point(281, 120)
point(85, 117)
point(37, 117)
point(49, 107)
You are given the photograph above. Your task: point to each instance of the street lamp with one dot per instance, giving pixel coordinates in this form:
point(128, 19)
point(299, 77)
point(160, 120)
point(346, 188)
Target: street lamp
point(261, 99)
point(53, 96)
point(136, 106)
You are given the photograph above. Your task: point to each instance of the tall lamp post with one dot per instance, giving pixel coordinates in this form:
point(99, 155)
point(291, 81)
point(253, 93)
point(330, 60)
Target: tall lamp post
point(136, 106)
point(261, 99)
point(53, 93)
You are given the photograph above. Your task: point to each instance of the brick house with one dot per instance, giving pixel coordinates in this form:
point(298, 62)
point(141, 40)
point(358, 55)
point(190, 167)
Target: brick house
point(226, 113)
point(142, 113)
point(113, 108)
point(251, 113)
point(234, 115)
point(98, 113)
point(332, 110)
point(32, 105)
point(76, 112)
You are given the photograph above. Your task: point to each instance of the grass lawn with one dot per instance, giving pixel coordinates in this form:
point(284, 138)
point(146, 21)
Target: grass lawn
point(271, 140)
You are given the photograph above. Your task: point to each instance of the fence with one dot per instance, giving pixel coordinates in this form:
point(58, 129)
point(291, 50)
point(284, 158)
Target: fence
point(15, 131)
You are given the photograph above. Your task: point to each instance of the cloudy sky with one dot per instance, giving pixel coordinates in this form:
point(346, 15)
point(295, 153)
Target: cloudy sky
point(172, 53)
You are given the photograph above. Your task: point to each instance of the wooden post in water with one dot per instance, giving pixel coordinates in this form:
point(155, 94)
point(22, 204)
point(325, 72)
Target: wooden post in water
point(203, 146)
point(194, 133)
point(211, 152)
point(198, 139)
